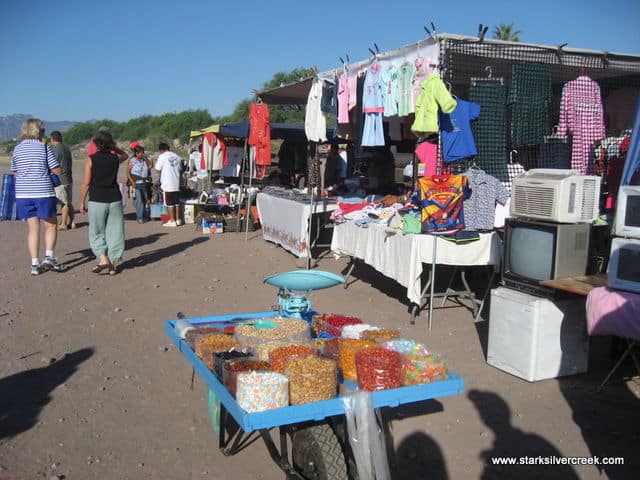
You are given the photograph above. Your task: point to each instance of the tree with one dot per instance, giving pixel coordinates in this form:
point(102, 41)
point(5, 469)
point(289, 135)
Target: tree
point(506, 32)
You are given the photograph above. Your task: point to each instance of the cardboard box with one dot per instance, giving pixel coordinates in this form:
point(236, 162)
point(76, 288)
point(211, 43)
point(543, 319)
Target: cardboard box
point(212, 227)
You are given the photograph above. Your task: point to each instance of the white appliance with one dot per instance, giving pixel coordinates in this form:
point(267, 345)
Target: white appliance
point(557, 195)
point(535, 338)
point(627, 219)
point(623, 270)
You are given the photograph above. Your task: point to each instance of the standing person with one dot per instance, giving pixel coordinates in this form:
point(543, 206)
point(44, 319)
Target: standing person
point(64, 191)
point(169, 165)
point(32, 163)
point(138, 174)
point(106, 220)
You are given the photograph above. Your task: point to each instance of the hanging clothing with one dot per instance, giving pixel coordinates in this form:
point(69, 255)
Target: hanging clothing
point(260, 132)
point(514, 169)
point(404, 92)
point(219, 158)
point(208, 144)
point(343, 98)
point(581, 115)
point(440, 199)
point(356, 115)
point(327, 104)
point(434, 95)
point(391, 94)
point(490, 129)
point(375, 85)
point(427, 154)
point(455, 131)
point(529, 99)
point(420, 74)
point(373, 131)
point(480, 207)
point(315, 122)
point(234, 160)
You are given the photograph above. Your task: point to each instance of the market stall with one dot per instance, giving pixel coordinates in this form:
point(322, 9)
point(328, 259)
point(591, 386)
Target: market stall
point(285, 218)
point(401, 257)
point(319, 378)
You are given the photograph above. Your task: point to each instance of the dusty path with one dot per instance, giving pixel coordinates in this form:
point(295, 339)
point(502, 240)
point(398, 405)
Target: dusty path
point(118, 406)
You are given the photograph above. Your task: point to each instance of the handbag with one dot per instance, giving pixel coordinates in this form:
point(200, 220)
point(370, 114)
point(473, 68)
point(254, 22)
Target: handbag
point(55, 179)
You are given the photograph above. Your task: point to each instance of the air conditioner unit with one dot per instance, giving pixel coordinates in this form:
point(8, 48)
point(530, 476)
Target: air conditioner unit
point(556, 195)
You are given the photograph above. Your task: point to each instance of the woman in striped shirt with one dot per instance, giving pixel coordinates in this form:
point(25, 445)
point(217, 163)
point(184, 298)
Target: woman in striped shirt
point(32, 163)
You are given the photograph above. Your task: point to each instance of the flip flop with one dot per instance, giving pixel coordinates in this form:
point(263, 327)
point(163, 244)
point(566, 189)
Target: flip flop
point(112, 270)
point(100, 267)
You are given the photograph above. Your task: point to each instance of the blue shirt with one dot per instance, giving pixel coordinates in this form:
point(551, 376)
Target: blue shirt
point(455, 130)
point(32, 161)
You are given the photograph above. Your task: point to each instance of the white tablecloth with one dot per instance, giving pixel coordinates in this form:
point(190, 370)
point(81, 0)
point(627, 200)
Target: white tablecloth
point(400, 257)
point(285, 222)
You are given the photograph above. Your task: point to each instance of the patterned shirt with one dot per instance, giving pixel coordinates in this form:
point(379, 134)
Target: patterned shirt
point(32, 161)
point(480, 207)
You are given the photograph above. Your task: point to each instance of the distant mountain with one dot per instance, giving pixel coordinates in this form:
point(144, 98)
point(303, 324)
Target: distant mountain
point(10, 125)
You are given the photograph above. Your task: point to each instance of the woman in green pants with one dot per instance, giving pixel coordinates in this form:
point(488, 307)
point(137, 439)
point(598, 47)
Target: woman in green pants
point(106, 220)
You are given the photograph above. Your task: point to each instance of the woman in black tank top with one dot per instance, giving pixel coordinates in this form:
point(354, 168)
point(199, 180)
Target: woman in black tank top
point(106, 219)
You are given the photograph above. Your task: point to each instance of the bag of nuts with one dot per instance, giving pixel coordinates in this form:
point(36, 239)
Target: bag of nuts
point(311, 379)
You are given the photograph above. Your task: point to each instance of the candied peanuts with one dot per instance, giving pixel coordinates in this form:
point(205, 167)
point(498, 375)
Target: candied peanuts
point(378, 369)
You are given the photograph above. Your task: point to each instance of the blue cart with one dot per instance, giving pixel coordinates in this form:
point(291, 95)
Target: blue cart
point(319, 441)
point(317, 430)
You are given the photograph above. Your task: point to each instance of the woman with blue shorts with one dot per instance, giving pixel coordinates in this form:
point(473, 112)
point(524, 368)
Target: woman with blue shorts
point(32, 164)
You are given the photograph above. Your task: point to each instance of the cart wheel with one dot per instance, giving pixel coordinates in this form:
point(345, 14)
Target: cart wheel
point(213, 406)
point(317, 454)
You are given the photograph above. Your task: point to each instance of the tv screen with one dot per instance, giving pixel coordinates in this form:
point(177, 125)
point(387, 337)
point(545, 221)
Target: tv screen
point(531, 252)
point(628, 265)
point(632, 212)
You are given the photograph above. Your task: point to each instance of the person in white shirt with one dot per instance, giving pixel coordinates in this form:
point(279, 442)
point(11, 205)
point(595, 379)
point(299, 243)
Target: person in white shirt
point(170, 167)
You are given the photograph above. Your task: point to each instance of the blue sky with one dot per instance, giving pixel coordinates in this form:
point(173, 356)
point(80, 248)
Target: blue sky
point(87, 59)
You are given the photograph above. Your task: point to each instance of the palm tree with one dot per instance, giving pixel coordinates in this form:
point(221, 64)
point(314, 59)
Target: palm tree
point(506, 32)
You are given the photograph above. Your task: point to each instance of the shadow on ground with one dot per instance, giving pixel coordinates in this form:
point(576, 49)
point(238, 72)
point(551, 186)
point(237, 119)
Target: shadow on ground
point(25, 394)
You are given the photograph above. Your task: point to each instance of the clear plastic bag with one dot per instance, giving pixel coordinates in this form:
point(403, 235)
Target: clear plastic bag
point(366, 437)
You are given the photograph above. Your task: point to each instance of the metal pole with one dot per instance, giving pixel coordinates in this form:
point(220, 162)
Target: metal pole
point(242, 166)
point(248, 211)
point(433, 277)
point(309, 229)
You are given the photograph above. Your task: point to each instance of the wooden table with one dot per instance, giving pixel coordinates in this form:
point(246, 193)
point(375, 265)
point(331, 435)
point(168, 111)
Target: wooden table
point(580, 285)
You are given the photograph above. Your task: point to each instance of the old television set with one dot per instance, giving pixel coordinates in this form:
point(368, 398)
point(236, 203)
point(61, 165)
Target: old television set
point(623, 271)
point(627, 217)
point(535, 250)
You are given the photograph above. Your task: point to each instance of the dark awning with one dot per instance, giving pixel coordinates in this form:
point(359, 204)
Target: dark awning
point(291, 94)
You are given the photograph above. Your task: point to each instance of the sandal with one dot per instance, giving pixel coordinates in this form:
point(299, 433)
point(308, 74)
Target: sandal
point(112, 270)
point(100, 267)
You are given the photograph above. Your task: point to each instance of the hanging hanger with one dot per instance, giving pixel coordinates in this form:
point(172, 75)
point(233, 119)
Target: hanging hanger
point(511, 156)
point(258, 101)
point(554, 136)
point(489, 78)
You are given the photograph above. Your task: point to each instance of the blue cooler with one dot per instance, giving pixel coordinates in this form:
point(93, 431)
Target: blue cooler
point(8, 197)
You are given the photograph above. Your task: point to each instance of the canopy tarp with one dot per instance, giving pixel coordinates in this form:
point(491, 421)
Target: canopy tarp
point(282, 131)
point(292, 94)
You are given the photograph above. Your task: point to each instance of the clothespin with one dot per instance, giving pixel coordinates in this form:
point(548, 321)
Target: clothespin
point(559, 51)
point(427, 30)
point(605, 59)
point(377, 49)
point(482, 31)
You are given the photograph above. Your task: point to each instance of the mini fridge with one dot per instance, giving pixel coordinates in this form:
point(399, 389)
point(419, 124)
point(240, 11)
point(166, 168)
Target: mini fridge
point(535, 338)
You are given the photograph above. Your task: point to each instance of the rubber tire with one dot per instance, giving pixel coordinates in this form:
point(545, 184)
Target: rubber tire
point(317, 454)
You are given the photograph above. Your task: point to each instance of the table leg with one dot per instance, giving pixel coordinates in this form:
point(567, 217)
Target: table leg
point(352, 264)
point(472, 297)
point(486, 292)
point(433, 278)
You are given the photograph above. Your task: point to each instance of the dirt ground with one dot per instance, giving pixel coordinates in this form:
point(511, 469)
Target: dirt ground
point(91, 388)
